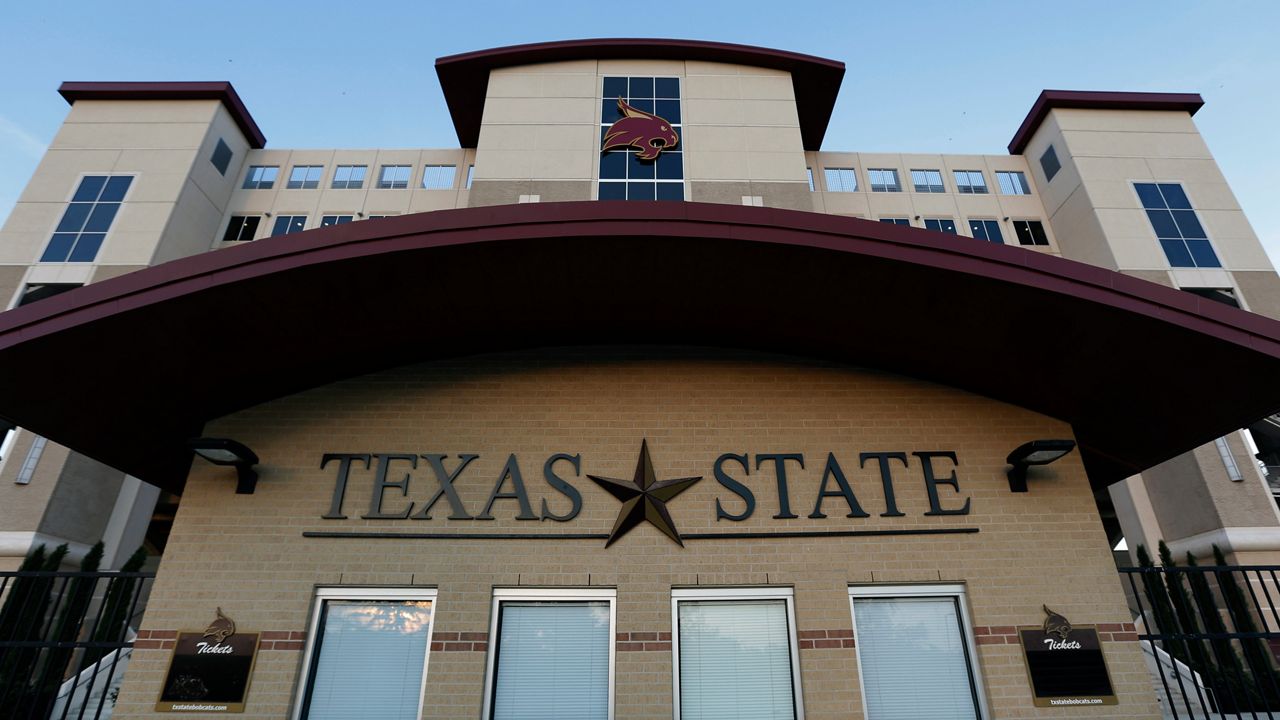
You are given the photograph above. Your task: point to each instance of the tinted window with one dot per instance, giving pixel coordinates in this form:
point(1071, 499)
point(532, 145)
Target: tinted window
point(1030, 232)
point(988, 230)
point(927, 181)
point(946, 225)
point(623, 175)
point(261, 177)
point(1176, 225)
point(1049, 163)
point(221, 157)
point(241, 228)
point(87, 219)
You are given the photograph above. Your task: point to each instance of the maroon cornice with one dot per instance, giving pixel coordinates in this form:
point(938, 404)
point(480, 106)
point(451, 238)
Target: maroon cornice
point(465, 78)
point(1097, 100)
point(221, 91)
point(125, 370)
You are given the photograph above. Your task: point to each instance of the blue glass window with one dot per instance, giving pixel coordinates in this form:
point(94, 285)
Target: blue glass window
point(1176, 226)
point(840, 179)
point(1012, 182)
point(1049, 163)
point(289, 224)
point(261, 177)
point(349, 177)
point(927, 181)
point(988, 230)
point(897, 221)
point(221, 157)
point(305, 177)
point(1030, 232)
point(623, 175)
point(87, 219)
point(946, 225)
point(970, 182)
point(394, 177)
point(884, 180)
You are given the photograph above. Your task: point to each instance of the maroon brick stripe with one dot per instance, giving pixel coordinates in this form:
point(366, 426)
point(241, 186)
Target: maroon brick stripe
point(269, 640)
point(821, 639)
point(644, 641)
point(1008, 634)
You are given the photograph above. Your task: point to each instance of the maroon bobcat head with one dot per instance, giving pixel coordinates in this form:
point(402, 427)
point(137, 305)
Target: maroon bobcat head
point(643, 131)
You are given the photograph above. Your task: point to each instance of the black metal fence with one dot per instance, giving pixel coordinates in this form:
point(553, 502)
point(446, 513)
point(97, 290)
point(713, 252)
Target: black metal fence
point(1211, 636)
point(65, 638)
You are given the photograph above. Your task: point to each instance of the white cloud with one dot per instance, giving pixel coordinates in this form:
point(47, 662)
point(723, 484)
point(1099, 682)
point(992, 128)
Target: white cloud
point(12, 135)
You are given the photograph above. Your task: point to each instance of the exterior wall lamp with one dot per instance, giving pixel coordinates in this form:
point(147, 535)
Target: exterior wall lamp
point(1036, 452)
point(224, 451)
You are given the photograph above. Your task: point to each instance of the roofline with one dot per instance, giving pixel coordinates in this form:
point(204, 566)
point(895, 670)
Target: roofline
point(220, 91)
point(1098, 100)
point(464, 78)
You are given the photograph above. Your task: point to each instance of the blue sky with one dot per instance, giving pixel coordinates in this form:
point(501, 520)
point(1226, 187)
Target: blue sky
point(921, 76)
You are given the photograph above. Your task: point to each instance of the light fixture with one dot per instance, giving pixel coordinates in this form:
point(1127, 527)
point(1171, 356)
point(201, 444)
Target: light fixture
point(268, 214)
point(359, 214)
point(1006, 219)
point(1036, 452)
point(224, 451)
point(917, 217)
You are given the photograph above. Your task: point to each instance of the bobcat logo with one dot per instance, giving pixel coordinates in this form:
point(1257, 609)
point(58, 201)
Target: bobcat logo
point(221, 628)
point(1055, 624)
point(643, 131)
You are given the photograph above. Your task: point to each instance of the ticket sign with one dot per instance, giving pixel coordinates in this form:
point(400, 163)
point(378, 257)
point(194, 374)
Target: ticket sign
point(1066, 667)
point(210, 670)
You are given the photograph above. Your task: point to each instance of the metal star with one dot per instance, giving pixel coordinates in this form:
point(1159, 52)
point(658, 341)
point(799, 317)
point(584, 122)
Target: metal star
point(644, 498)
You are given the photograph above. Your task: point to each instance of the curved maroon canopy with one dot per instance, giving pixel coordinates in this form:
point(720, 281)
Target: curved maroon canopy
point(127, 369)
point(465, 78)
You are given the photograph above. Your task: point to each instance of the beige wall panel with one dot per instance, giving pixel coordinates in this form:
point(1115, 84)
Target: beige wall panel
point(1127, 223)
point(215, 185)
point(539, 404)
point(1201, 277)
point(713, 112)
point(429, 200)
point(106, 272)
point(847, 204)
point(935, 205)
point(564, 164)
point(23, 506)
point(1185, 170)
point(714, 138)
point(775, 139)
point(556, 111)
point(1138, 121)
point(716, 166)
point(10, 282)
point(193, 229)
point(775, 166)
point(485, 193)
point(83, 489)
point(562, 137)
point(96, 136)
point(1136, 144)
point(978, 205)
point(640, 67)
point(777, 87)
point(1211, 196)
point(1160, 277)
point(504, 164)
point(1079, 235)
point(1141, 251)
point(143, 112)
point(1023, 207)
point(771, 112)
point(1007, 162)
point(59, 172)
point(712, 87)
point(890, 205)
point(1261, 291)
point(28, 230)
point(1114, 194)
point(1112, 169)
point(515, 137)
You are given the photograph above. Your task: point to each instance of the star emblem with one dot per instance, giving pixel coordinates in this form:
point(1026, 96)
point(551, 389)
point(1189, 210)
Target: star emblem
point(644, 498)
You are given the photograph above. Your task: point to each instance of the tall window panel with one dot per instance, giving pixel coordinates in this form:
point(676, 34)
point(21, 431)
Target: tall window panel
point(927, 181)
point(736, 655)
point(884, 180)
point(552, 655)
point(349, 177)
point(305, 177)
point(261, 177)
point(394, 177)
point(840, 179)
point(970, 182)
point(945, 225)
point(289, 224)
point(1012, 182)
point(367, 654)
point(988, 230)
point(915, 653)
point(87, 219)
point(1175, 223)
point(438, 177)
point(1030, 232)
point(623, 175)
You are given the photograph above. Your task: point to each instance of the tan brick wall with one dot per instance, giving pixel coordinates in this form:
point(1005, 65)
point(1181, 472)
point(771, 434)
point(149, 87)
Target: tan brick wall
point(246, 553)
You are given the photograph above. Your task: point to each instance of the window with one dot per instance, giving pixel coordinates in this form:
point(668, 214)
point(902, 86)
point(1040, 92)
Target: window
point(221, 157)
point(1012, 182)
point(1049, 163)
point(623, 175)
point(946, 225)
point(840, 179)
point(551, 655)
point(1176, 225)
point(261, 177)
point(1030, 232)
point(377, 217)
point(368, 653)
point(735, 654)
point(915, 653)
point(438, 177)
point(394, 177)
point(87, 218)
point(988, 230)
point(970, 182)
point(305, 177)
point(928, 181)
point(289, 224)
point(34, 453)
point(349, 177)
point(808, 173)
point(884, 180)
point(471, 173)
point(241, 227)
point(41, 291)
point(328, 220)
point(897, 221)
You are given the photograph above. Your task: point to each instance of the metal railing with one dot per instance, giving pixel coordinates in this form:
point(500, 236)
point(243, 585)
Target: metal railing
point(1210, 635)
point(65, 638)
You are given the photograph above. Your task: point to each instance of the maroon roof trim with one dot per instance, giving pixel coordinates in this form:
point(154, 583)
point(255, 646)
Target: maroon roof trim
point(1098, 100)
point(221, 91)
point(173, 346)
point(465, 78)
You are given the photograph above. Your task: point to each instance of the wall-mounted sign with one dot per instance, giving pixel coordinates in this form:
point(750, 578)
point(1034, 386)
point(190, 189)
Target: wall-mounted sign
point(425, 486)
point(643, 131)
point(210, 669)
point(1065, 664)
